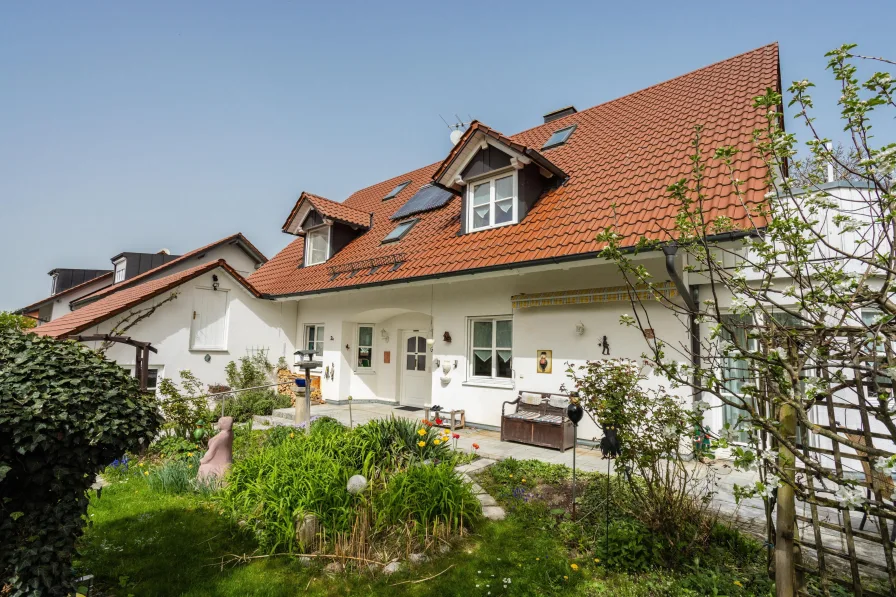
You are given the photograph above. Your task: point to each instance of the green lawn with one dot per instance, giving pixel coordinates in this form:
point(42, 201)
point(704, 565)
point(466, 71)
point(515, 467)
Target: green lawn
point(139, 542)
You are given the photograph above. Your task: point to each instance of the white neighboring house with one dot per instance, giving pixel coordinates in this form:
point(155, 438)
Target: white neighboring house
point(216, 317)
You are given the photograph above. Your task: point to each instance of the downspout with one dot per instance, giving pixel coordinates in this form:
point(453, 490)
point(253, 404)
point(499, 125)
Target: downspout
point(691, 296)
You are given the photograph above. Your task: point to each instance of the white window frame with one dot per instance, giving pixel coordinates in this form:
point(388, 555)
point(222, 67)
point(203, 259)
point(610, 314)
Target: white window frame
point(317, 230)
point(494, 348)
point(358, 346)
point(120, 269)
point(750, 378)
point(159, 375)
point(319, 336)
point(193, 330)
point(490, 180)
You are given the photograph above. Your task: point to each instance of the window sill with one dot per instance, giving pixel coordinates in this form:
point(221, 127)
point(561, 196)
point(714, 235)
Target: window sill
point(489, 383)
point(364, 372)
point(484, 228)
point(207, 349)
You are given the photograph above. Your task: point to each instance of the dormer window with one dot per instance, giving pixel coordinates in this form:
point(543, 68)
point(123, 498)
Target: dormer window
point(120, 267)
point(492, 202)
point(317, 245)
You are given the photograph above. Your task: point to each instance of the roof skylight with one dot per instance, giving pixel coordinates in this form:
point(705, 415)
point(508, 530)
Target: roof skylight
point(399, 231)
point(397, 190)
point(559, 137)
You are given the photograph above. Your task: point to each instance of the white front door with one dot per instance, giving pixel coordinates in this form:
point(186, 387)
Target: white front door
point(416, 379)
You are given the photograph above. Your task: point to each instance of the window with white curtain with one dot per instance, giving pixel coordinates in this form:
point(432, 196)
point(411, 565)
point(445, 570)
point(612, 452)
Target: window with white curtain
point(492, 202)
point(365, 348)
point(491, 347)
point(317, 245)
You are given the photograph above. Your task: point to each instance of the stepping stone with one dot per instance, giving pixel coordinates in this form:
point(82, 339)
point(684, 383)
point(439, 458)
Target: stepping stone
point(493, 512)
point(486, 500)
point(477, 489)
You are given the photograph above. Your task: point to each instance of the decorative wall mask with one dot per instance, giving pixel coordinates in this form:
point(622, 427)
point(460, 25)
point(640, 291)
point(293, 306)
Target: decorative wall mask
point(544, 361)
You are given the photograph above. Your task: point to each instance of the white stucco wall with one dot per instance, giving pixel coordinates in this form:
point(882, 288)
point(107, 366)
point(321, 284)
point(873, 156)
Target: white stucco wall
point(252, 324)
point(60, 304)
point(452, 303)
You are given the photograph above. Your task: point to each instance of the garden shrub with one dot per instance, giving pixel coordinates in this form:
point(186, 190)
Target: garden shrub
point(628, 546)
point(186, 412)
point(249, 372)
point(172, 446)
point(65, 413)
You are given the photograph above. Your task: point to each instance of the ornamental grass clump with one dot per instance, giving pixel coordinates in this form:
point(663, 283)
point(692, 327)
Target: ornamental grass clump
point(412, 491)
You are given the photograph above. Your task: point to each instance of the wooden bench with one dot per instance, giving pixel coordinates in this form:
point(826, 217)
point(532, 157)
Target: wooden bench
point(538, 419)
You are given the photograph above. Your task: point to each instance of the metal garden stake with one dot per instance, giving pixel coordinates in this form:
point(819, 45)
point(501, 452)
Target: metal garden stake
point(574, 412)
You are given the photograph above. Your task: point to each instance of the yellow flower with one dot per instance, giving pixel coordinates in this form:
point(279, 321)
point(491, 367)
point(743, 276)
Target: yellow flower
point(523, 480)
point(565, 577)
point(536, 559)
point(597, 560)
point(436, 441)
point(421, 443)
point(575, 567)
point(421, 432)
point(190, 454)
point(146, 473)
point(292, 435)
point(141, 464)
point(738, 583)
point(511, 476)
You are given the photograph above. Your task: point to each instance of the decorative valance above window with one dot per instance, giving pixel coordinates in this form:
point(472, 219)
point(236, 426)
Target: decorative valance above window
point(586, 296)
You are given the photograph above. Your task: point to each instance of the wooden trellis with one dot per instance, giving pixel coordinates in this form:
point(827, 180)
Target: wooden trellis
point(855, 555)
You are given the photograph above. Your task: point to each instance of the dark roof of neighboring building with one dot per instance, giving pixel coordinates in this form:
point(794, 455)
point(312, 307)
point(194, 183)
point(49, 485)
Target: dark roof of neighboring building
point(619, 162)
point(237, 239)
point(122, 300)
point(69, 290)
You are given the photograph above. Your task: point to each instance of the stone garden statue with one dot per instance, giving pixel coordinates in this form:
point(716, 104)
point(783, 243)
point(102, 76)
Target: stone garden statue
point(220, 452)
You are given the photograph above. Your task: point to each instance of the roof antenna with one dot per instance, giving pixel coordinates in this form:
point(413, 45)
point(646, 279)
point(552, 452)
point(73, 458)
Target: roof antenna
point(457, 129)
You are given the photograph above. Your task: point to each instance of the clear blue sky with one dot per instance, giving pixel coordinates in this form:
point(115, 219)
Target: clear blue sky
point(133, 126)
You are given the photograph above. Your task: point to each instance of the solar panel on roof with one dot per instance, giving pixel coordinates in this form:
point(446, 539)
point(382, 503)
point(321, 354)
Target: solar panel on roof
point(397, 190)
point(559, 137)
point(428, 197)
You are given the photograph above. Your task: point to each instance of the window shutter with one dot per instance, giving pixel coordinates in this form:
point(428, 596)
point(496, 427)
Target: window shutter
point(210, 320)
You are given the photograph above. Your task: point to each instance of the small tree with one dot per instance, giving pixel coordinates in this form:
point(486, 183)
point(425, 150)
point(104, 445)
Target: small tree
point(65, 413)
point(185, 409)
point(669, 496)
point(11, 321)
point(797, 318)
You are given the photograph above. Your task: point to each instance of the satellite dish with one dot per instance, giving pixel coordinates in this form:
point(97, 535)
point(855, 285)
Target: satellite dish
point(456, 134)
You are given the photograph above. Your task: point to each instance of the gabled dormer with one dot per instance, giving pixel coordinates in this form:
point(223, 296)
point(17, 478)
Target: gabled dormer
point(327, 226)
point(498, 179)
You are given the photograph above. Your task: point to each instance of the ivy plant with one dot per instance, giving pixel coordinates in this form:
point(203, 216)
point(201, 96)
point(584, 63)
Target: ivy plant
point(65, 413)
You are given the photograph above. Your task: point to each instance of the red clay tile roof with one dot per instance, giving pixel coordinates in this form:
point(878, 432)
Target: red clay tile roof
point(33, 306)
point(122, 300)
point(330, 209)
point(233, 238)
point(626, 151)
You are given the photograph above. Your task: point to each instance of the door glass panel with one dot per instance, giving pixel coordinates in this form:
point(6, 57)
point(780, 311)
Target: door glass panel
point(421, 344)
point(504, 363)
point(411, 363)
point(482, 333)
point(482, 363)
point(504, 333)
point(412, 342)
point(421, 363)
